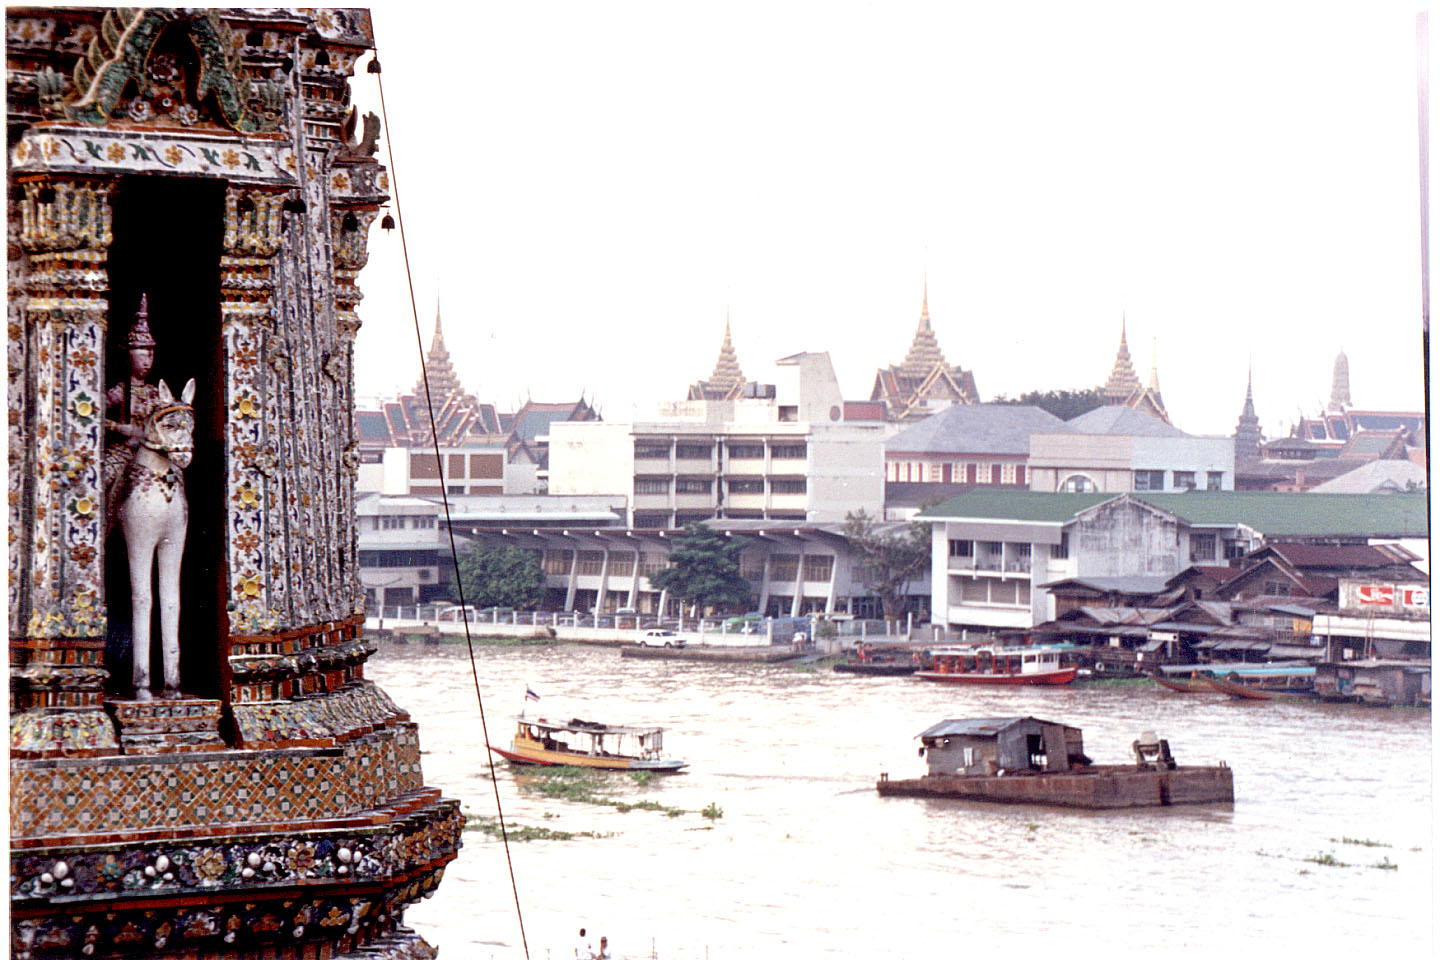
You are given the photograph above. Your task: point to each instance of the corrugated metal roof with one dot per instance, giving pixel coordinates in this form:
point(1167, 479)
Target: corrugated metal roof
point(1272, 514)
point(1127, 584)
point(1314, 514)
point(1022, 505)
point(978, 726)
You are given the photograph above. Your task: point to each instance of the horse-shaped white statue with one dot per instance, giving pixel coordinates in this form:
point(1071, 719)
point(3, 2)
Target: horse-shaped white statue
point(151, 508)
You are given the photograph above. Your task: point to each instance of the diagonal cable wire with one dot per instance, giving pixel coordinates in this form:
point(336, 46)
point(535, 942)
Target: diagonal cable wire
point(374, 68)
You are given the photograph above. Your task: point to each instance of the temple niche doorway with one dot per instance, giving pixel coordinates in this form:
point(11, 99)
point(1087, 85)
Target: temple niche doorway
point(167, 242)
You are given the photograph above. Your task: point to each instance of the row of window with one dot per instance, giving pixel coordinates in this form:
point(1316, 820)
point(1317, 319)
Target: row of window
point(918, 471)
point(1154, 480)
point(650, 450)
point(591, 562)
point(400, 558)
point(987, 590)
point(784, 567)
point(399, 523)
point(749, 485)
point(991, 554)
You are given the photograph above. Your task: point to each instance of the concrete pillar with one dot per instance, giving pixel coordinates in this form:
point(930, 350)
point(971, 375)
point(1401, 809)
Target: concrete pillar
point(765, 581)
point(604, 581)
point(634, 584)
point(830, 591)
point(799, 585)
point(570, 586)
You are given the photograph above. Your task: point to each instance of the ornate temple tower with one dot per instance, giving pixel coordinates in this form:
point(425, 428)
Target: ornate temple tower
point(444, 382)
point(1247, 429)
point(201, 163)
point(726, 380)
point(1123, 388)
point(1123, 382)
point(1339, 385)
point(923, 383)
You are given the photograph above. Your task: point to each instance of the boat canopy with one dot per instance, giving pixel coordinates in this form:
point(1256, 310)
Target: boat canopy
point(577, 725)
point(1244, 669)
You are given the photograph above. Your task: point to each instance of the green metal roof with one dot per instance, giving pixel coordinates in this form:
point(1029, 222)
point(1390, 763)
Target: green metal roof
point(1022, 505)
point(1302, 514)
point(1272, 514)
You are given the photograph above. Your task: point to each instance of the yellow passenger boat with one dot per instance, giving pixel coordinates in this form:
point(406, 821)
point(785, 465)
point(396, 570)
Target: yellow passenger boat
point(586, 743)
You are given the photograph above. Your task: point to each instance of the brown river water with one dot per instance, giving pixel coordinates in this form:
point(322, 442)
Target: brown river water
point(808, 861)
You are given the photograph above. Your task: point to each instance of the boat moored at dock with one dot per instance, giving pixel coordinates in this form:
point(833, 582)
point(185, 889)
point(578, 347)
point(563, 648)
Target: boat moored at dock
point(1028, 760)
point(1022, 665)
point(587, 743)
point(1197, 677)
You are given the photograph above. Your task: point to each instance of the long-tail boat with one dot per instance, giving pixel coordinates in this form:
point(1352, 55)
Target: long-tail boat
point(1192, 678)
point(1279, 683)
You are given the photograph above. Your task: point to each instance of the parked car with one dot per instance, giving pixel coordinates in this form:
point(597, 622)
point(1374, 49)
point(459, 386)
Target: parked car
point(660, 638)
point(456, 614)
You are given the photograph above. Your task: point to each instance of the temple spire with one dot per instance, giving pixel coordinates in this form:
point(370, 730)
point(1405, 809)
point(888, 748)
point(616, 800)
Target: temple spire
point(726, 380)
point(1123, 382)
point(443, 381)
point(727, 371)
point(1247, 429)
point(1340, 385)
point(924, 349)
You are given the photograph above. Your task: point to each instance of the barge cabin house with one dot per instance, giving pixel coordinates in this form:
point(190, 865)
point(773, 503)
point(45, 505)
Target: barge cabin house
point(992, 745)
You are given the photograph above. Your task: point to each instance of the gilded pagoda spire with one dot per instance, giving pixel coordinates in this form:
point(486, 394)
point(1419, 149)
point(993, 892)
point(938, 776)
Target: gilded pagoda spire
point(438, 369)
point(924, 352)
point(726, 380)
point(727, 366)
point(1123, 382)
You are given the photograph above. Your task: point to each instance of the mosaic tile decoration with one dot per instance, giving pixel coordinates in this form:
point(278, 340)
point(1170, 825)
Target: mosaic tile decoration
point(119, 795)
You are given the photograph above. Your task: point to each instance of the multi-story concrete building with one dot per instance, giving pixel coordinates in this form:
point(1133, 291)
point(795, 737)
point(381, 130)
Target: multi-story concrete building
point(404, 555)
point(780, 451)
point(1118, 449)
point(792, 568)
point(478, 468)
point(994, 552)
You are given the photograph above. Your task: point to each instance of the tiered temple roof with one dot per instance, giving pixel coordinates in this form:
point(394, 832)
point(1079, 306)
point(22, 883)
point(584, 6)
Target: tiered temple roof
point(1123, 388)
point(1122, 383)
point(459, 417)
point(438, 369)
point(924, 382)
point(726, 381)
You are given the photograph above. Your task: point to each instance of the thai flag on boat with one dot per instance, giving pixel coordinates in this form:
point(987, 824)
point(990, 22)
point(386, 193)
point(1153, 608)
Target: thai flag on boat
point(531, 695)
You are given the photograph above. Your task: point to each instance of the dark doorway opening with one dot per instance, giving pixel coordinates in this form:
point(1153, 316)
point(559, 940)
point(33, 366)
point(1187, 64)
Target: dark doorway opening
point(168, 235)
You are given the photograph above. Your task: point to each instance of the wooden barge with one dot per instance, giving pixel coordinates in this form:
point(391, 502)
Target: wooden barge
point(765, 654)
point(1027, 760)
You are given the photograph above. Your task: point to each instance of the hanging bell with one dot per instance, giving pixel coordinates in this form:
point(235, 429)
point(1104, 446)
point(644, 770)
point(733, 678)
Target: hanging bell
point(387, 222)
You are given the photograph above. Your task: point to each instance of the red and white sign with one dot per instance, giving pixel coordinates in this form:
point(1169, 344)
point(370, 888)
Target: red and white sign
point(1415, 597)
point(1375, 595)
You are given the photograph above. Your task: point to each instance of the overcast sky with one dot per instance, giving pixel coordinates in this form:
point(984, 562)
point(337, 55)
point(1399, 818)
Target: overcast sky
point(590, 186)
